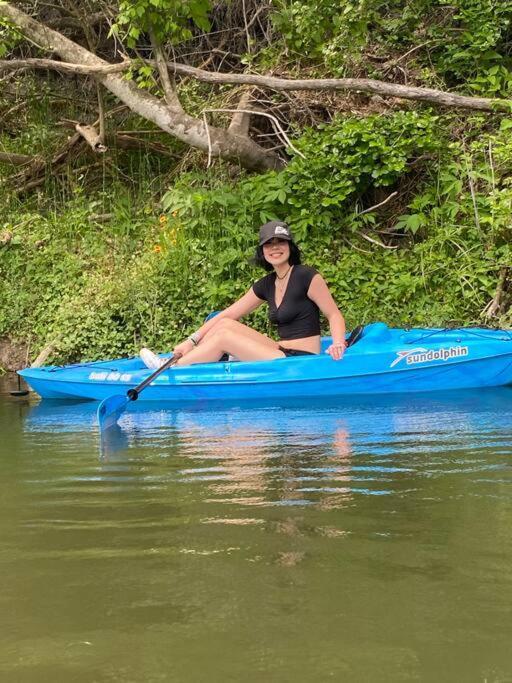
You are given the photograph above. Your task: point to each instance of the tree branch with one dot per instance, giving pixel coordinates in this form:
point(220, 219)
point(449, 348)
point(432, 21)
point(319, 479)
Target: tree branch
point(218, 142)
point(70, 22)
point(240, 121)
point(494, 306)
point(181, 125)
point(368, 85)
point(168, 87)
point(15, 159)
point(275, 123)
point(91, 136)
point(376, 206)
point(67, 67)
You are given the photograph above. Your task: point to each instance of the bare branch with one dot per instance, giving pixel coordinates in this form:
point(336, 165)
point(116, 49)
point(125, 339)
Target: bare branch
point(70, 22)
point(494, 306)
point(168, 87)
point(277, 126)
point(377, 206)
point(91, 136)
point(368, 85)
point(101, 112)
point(207, 129)
point(15, 159)
point(67, 67)
point(240, 121)
point(374, 241)
point(129, 142)
point(247, 34)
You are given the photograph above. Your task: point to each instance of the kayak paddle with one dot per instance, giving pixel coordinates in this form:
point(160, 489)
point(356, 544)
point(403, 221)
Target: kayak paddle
point(111, 408)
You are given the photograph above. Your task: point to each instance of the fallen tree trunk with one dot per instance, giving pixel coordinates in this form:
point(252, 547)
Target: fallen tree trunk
point(217, 142)
point(232, 143)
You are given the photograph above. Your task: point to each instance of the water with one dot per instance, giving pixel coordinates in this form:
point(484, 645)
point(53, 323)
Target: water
point(369, 541)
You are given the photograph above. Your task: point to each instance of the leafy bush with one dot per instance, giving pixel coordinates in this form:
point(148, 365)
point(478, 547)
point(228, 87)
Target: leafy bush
point(467, 41)
point(150, 278)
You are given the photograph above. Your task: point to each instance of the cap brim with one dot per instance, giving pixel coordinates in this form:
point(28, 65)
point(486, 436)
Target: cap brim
point(279, 237)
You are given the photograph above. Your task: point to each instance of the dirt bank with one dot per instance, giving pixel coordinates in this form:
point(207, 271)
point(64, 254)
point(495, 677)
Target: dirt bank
point(13, 355)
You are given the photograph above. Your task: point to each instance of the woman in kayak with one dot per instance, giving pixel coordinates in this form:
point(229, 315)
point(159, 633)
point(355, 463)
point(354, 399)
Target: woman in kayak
point(295, 295)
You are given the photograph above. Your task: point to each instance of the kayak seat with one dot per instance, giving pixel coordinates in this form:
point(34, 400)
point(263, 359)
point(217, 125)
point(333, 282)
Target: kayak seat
point(376, 332)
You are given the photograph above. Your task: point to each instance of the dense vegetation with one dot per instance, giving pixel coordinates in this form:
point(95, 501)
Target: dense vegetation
point(404, 208)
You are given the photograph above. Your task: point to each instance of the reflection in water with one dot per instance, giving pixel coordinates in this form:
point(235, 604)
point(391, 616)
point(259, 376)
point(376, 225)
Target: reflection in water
point(266, 544)
point(320, 455)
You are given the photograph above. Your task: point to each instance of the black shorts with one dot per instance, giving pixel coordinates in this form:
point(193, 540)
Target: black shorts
point(295, 352)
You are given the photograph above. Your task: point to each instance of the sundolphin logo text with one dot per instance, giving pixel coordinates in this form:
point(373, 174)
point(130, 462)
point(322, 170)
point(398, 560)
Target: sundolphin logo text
point(421, 355)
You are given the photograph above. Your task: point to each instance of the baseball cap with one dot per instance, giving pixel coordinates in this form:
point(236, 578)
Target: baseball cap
point(275, 229)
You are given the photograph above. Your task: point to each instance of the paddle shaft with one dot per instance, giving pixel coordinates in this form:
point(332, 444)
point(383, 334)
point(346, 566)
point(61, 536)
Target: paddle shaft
point(133, 394)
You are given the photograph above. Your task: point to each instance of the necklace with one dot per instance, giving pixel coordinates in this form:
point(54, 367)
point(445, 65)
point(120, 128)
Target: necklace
point(281, 282)
point(283, 276)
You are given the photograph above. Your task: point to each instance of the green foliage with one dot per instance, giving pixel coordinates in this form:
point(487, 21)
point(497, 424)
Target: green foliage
point(348, 157)
point(151, 273)
point(471, 191)
point(150, 278)
point(9, 37)
point(477, 51)
point(466, 40)
point(170, 20)
point(342, 161)
point(446, 273)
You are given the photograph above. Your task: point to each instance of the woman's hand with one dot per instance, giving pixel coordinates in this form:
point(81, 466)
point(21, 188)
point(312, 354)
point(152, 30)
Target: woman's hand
point(336, 350)
point(184, 347)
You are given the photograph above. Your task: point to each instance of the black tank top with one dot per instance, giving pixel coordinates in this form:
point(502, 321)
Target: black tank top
point(297, 316)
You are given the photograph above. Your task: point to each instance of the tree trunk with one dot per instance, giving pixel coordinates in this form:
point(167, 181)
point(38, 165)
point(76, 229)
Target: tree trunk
point(216, 141)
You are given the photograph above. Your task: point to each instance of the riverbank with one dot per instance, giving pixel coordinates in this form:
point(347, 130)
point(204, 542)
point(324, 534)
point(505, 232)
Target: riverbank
point(151, 272)
point(13, 355)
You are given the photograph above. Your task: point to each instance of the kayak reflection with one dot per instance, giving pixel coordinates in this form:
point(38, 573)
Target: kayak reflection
point(301, 450)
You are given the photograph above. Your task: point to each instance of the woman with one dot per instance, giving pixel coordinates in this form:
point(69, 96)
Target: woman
point(295, 295)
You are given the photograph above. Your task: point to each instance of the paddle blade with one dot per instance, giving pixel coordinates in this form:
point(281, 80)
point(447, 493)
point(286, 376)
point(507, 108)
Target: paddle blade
point(110, 410)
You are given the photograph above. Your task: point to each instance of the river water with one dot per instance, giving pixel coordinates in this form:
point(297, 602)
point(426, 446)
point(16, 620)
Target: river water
point(365, 541)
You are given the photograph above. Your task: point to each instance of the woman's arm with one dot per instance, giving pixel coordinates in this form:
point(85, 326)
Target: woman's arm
point(319, 293)
point(246, 304)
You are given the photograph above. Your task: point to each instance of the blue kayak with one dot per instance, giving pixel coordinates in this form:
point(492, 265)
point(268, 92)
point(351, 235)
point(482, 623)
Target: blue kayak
point(384, 360)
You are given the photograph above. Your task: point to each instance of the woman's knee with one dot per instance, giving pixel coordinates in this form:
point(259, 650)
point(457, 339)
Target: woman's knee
point(225, 324)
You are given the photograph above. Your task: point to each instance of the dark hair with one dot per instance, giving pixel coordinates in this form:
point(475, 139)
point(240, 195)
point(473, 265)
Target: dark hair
point(294, 260)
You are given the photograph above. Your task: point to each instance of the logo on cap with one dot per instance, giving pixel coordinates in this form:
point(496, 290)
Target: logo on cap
point(280, 230)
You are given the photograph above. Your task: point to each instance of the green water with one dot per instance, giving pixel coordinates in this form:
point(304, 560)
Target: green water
point(369, 541)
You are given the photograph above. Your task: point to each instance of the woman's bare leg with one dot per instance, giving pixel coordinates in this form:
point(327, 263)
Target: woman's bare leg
point(230, 336)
